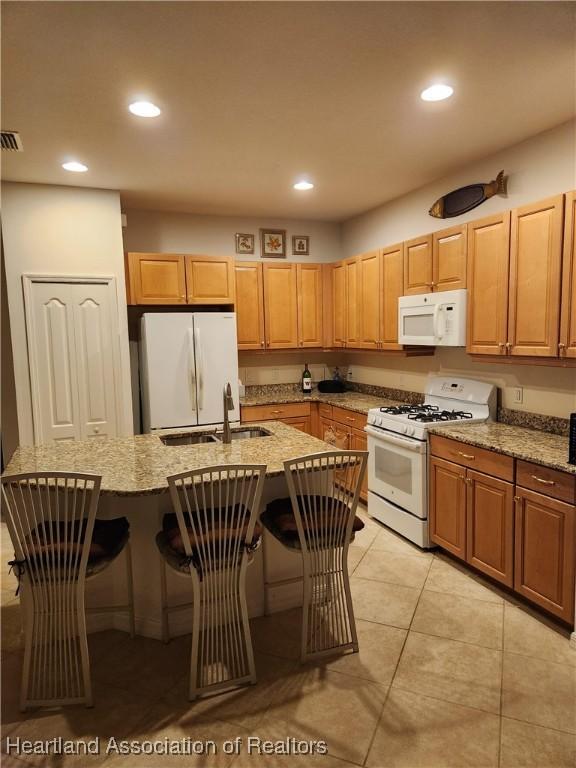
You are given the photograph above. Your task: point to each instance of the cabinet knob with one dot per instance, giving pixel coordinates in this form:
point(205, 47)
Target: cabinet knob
point(501, 346)
point(516, 498)
point(262, 343)
point(96, 430)
point(508, 345)
point(561, 349)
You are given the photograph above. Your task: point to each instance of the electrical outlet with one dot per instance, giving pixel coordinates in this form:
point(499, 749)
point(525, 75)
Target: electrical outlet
point(349, 374)
point(518, 394)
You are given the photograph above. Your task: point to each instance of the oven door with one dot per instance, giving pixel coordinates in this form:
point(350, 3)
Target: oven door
point(397, 470)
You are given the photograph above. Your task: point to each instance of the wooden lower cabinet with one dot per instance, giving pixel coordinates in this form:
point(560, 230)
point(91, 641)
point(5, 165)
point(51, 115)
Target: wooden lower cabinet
point(304, 424)
point(447, 506)
point(490, 526)
point(544, 554)
point(359, 442)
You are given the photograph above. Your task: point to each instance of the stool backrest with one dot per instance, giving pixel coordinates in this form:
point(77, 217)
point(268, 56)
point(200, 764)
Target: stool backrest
point(217, 508)
point(324, 490)
point(50, 518)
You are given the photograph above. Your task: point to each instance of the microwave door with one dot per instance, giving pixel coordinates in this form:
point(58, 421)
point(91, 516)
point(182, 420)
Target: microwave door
point(417, 325)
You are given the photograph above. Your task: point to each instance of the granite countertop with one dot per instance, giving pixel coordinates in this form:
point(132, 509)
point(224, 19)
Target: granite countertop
point(522, 443)
point(139, 465)
point(353, 401)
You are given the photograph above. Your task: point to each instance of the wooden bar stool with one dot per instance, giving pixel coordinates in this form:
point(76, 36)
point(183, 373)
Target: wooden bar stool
point(211, 537)
point(319, 520)
point(58, 545)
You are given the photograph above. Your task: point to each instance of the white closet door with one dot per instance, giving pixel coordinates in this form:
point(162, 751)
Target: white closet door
point(53, 363)
point(95, 360)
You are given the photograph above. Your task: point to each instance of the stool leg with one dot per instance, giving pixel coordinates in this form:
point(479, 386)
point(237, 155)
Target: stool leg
point(196, 606)
point(27, 607)
point(164, 601)
point(83, 642)
point(130, 583)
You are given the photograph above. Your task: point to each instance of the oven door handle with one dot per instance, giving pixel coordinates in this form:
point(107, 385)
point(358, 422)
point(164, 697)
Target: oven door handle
point(410, 444)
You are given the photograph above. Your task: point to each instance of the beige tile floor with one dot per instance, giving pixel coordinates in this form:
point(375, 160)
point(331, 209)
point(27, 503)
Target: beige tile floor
point(451, 672)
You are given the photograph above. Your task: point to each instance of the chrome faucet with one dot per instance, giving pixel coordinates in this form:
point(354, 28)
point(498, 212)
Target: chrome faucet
point(228, 406)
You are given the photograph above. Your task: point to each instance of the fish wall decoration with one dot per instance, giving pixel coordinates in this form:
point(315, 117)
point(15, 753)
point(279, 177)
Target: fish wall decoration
point(465, 199)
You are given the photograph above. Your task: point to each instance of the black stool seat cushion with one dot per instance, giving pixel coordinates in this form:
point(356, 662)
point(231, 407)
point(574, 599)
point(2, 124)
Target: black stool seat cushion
point(171, 546)
point(279, 519)
point(55, 544)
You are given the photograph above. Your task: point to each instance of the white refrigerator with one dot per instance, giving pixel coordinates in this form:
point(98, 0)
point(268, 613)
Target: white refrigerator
point(186, 360)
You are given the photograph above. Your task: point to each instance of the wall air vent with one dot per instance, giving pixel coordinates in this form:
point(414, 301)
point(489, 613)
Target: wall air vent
point(11, 140)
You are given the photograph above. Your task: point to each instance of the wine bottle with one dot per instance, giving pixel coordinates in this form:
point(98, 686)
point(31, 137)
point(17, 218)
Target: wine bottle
point(306, 380)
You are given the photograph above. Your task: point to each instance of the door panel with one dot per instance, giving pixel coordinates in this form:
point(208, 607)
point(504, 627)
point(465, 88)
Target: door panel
point(488, 266)
point(369, 267)
point(449, 259)
point(339, 305)
point(490, 526)
point(391, 288)
point(249, 305)
point(157, 278)
point(353, 302)
point(568, 309)
point(309, 282)
point(448, 506)
point(281, 306)
point(304, 425)
point(544, 555)
point(535, 261)
point(418, 265)
point(210, 279)
point(216, 365)
point(359, 442)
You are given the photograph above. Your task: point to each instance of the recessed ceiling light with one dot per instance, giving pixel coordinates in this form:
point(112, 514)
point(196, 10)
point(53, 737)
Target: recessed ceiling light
point(144, 109)
point(302, 186)
point(75, 166)
point(437, 92)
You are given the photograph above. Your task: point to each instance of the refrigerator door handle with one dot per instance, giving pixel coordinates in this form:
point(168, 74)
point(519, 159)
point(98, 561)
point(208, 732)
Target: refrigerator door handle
point(192, 366)
point(200, 368)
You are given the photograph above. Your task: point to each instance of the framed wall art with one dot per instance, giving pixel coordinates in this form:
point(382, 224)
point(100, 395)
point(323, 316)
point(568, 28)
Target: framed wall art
point(273, 243)
point(300, 245)
point(244, 243)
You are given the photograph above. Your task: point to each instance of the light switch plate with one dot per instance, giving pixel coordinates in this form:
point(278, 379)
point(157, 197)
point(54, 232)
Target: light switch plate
point(518, 394)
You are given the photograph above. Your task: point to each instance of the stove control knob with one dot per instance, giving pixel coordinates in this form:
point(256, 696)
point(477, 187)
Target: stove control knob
point(380, 421)
point(371, 419)
point(404, 430)
point(410, 431)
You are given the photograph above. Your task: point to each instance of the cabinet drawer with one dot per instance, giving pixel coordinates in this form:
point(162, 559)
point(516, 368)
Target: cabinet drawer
point(349, 418)
point(270, 412)
point(551, 482)
point(324, 411)
point(489, 462)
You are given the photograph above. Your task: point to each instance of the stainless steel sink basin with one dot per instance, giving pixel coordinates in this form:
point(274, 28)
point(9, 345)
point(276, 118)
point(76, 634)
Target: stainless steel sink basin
point(246, 434)
point(191, 438)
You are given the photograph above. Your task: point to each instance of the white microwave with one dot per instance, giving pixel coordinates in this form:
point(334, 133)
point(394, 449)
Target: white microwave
point(433, 319)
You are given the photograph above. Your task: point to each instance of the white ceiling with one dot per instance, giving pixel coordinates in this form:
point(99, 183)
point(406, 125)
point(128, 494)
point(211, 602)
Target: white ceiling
point(256, 94)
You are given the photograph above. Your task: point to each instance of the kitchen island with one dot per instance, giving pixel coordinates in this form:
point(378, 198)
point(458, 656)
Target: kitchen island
point(134, 471)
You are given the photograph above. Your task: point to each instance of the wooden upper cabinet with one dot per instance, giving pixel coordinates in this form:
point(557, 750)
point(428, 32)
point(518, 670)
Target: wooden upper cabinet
point(210, 279)
point(369, 291)
point(338, 304)
point(448, 506)
point(352, 306)
point(544, 556)
point(490, 526)
point(281, 305)
point(391, 288)
point(156, 278)
point(309, 291)
point(535, 265)
point(567, 346)
point(418, 265)
point(449, 259)
point(249, 305)
point(488, 265)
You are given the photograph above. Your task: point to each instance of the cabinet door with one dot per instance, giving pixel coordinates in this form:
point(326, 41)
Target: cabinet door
point(352, 306)
point(488, 265)
point(359, 442)
point(280, 306)
point(449, 259)
point(157, 278)
point(339, 305)
point(370, 289)
point(309, 289)
point(210, 279)
point(544, 553)
point(392, 287)
point(567, 346)
point(249, 305)
point(303, 424)
point(418, 265)
point(447, 506)
point(535, 261)
point(490, 526)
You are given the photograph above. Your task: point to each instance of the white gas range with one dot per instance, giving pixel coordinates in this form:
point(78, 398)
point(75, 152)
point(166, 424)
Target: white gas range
point(398, 450)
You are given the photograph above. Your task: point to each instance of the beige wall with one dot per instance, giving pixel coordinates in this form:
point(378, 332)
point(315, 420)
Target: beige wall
point(161, 231)
point(286, 367)
point(537, 168)
point(60, 231)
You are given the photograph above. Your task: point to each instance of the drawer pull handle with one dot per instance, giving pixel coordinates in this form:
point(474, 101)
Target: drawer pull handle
point(541, 480)
point(466, 455)
point(276, 411)
point(350, 418)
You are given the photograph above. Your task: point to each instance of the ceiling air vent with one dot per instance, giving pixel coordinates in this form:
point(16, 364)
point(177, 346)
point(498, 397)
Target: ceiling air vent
point(11, 140)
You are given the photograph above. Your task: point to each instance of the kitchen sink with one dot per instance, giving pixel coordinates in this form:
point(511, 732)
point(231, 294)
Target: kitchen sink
point(192, 438)
point(246, 434)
